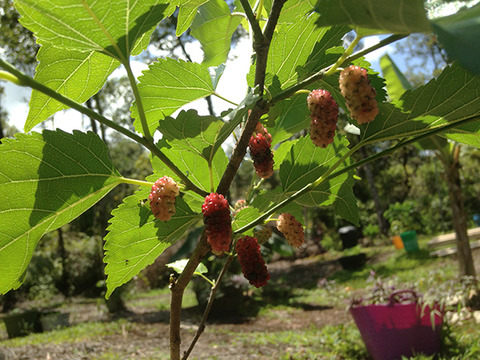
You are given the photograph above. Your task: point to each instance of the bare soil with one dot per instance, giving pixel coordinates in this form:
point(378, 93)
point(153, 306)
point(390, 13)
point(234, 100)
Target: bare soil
point(144, 334)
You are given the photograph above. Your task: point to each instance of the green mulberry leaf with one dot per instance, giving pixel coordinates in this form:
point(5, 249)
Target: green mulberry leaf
point(135, 238)
point(168, 85)
point(109, 26)
point(76, 74)
point(46, 181)
point(214, 26)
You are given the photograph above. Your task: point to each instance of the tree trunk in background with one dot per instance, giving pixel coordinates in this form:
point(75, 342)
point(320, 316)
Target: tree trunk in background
point(382, 223)
point(465, 258)
point(63, 285)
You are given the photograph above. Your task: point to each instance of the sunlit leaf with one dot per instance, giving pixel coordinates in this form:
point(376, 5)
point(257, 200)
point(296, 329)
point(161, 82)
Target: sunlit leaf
point(387, 16)
point(76, 74)
point(46, 181)
point(186, 14)
point(454, 96)
point(169, 84)
point(214, 26)
point(395, 80)
point(244, 217)
point(136, 238)
point(110, 26)
point(180, 265)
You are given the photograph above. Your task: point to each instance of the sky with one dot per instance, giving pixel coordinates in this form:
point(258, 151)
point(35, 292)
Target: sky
point(232, 86)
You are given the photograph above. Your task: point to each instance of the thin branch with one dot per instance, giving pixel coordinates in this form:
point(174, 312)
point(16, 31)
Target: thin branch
point(257, 31)
point(273, 19)
point(138, 102)
point(319, 75)
point(261, 46)
point(213, 292)
point(400, 145)
point(241, 147)
point(25, 80)
point(178, 288)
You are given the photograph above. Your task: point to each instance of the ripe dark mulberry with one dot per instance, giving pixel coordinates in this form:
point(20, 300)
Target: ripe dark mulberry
point(358, 93)
point(261, 152)
point(162, 198)
point(324, 115)
point(251, 261)
point(218, 226)
point(291, 228)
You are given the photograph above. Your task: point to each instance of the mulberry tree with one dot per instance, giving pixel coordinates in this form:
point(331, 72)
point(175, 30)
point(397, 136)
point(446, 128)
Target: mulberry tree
point(49, 178)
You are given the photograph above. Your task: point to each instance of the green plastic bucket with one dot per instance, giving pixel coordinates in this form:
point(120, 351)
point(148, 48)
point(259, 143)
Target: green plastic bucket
point(409, 239)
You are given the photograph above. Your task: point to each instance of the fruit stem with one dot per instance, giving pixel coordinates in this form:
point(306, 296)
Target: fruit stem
point(210, 171)
point(346, 54)
point(302, 91)
point(136, 182)
point(225, 99)
point(10, 77)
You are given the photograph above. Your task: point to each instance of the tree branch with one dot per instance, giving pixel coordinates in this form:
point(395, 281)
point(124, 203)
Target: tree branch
point(288, 92)
point(178, 288)
point(261, 46)
point(240, 149)
point(273, 19)
point(25, 80)
point(213, 292)
point(257, 31)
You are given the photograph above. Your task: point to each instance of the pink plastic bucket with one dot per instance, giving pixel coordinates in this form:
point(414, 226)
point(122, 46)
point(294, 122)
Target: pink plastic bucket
point(395, 330)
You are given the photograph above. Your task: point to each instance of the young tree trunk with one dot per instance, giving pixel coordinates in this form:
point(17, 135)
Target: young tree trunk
point(465, 258)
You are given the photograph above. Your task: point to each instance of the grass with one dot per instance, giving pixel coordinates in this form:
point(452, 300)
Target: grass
point(159, 299)
point(329, 342)
point(83, 331)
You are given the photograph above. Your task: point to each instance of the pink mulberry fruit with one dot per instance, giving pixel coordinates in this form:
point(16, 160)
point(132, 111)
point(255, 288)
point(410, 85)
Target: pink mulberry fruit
point(251, 261)
point(261, 152)
point(358, 93)
point(324, 115)
point(162, 198)
point(291, 228)
point(218, 226)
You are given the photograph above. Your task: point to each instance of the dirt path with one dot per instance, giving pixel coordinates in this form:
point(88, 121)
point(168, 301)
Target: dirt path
point(144, 333)
point(143, 340)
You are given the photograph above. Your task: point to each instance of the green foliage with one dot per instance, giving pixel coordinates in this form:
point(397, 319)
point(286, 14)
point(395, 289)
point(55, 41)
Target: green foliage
point(91, 26)
point(136, 238)
point(80, 75)
point(375, 16)
point(171, 83)
point(404, 217)
point(460, 32)
point(214, 26)
point(47, 180)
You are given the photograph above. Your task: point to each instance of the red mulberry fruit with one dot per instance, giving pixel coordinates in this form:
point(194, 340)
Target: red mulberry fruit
point(359, 94)
point(261, 153)
point(291, 228)
point(162, 198)
point(218, 226)
point(324, 115)
point(251, 261)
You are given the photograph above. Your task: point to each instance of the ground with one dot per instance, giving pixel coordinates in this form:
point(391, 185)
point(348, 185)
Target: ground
point(143, 333)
